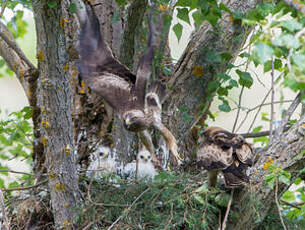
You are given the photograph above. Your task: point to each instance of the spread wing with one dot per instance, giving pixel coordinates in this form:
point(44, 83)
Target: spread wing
point(104, 74)
point(144, 70)
point(115, 90)
point(212, 157)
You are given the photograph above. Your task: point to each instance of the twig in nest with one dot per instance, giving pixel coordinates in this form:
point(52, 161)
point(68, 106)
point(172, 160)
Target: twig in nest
point(100, 204)
point(171, 217)
point(224, 223)
point(277, 203)
point(6, 222)
point(128, 209)
point(93, 222)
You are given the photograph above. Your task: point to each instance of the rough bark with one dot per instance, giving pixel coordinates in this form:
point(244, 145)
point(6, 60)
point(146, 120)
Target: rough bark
point(55, 98)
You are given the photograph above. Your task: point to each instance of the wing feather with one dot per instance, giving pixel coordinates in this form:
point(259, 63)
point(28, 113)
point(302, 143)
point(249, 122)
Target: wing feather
point(213, 157)
point(144, 70)
point(245, 154)
point(96, 56)
point(115, 90)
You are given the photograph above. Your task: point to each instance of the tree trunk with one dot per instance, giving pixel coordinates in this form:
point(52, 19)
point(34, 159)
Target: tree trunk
point(55, 99)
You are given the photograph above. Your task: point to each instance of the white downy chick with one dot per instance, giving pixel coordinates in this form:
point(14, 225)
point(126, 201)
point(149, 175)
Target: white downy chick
point(102, 162)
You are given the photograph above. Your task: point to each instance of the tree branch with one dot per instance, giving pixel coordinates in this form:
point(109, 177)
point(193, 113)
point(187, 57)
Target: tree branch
point(7, 37)
point(260, 134)
point(135, 15)
point(287, 116)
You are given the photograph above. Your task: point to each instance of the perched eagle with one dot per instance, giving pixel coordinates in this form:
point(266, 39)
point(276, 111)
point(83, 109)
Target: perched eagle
point(221, 150)
point(121, 89)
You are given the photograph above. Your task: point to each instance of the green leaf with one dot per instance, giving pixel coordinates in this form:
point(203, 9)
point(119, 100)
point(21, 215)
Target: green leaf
point(72, 8)
point(289, 196)
point(222, 91)
point(257, 129)
point(4, 168)
point(121, 2)
point(115, 17)
point(291, 25)
point(298, 181)
point(212, 56)
point(270, 179)
point(268, 65)
point(224, 107)
point(2, 183)
point(183, 14)
point(263, 52)
point(288, 40)
point(178, 30)
point(245, 78)
point(13, 184)
point(222, 199)
point(2, 63)
point(284, 177)
point(198, 18)
point(52, 4)
point(233, 83)
point(299, 60)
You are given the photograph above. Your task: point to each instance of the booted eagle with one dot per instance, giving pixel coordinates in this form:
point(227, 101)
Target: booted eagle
point(221, 150)
point(121, 89)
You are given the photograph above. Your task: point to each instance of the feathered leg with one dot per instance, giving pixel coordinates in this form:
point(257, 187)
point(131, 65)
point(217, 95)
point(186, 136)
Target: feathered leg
point(212, 178)
point(169, 139)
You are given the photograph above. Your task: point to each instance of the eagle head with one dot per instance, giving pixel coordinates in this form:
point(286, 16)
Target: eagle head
point(135, 121)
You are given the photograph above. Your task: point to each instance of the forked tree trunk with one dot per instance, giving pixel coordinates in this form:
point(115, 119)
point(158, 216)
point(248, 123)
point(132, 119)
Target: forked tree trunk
point(70, 121)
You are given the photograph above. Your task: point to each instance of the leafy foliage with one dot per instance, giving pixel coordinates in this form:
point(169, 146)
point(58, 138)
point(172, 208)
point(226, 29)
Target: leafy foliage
point(16, 142)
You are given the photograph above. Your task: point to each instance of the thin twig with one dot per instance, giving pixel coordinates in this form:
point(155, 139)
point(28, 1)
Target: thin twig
point(16, 172)
point(239, 108)
point(100, 204)
point(171, 217)
point(272, 104)
point(292, 205)
point(6, 222)
point(259, 109)
point(25, 187)
point(3, 8)
point(128, 209)
point(287, 116)
point(224, 223)
point(93, 222)
point(277, 202)
point(260, 134)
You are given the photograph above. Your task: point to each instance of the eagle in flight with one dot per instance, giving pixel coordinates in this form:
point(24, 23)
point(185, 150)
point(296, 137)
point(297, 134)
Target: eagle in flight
point(124, 91)
point(221, 150)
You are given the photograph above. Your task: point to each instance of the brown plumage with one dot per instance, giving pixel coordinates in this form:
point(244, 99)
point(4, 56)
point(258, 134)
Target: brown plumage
point(221, 150)
point(124, 91)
